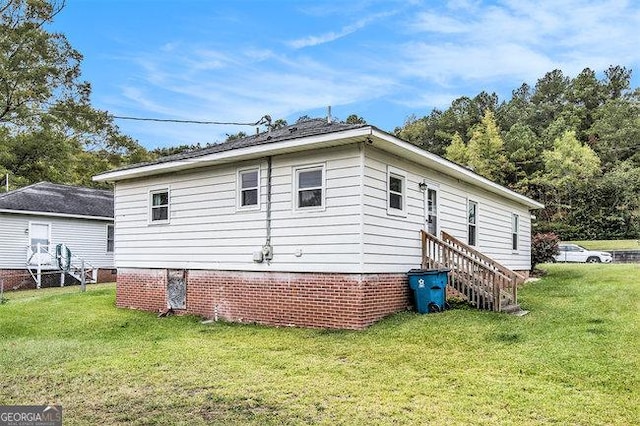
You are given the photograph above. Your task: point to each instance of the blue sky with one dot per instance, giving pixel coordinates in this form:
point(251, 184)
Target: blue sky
point(383, 60)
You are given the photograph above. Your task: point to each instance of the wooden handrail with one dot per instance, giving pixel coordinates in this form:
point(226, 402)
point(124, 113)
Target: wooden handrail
point(483, 281)
point(506, 271)
point(477, 263)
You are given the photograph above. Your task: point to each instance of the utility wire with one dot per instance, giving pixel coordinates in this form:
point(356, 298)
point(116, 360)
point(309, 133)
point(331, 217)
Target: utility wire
point(263, 120)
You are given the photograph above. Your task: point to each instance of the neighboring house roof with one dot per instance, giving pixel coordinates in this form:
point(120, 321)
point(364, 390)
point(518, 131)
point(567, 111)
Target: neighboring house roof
point(302, 136)
point(52, 199)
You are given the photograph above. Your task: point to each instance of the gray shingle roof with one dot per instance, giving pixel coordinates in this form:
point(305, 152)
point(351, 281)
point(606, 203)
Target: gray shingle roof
point(312, 127)
point(61, 199)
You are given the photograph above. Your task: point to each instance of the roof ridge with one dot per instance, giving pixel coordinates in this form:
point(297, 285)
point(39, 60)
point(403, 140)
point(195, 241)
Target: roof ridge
point(43, 182)
point(15, 191)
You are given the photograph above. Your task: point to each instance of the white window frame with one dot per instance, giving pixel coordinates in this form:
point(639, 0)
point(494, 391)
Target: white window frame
point(475, 224)
point(402, 175)
point(296, 183)
point(150, 203)
point(515, 232)
point(112, 226)
point(240, 189)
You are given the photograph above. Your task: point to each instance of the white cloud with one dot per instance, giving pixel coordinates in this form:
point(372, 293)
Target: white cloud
point(413, 57)
point(432, 22)
point(315, 40)
point(520, 39)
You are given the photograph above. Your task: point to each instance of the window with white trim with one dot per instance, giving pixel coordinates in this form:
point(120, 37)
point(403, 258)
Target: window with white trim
point(110, 238)
point(309, 187)
point(159, 206)
point(396, 192)
point(432, 211)
point(472, 223)
point(248, 188)
point(515, 231)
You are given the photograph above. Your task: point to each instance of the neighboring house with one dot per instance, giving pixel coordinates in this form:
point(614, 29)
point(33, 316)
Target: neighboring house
point(315, 224)
point(35, 219)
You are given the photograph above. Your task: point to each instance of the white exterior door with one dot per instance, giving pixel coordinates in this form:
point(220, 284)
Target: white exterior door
point(431, 210)
point(39, 233)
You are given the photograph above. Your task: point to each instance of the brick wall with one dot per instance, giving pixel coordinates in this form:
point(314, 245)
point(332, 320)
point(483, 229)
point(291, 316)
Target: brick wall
point(348, 301)
point(141, 289)
point(16, 279)
point(107, 275)
point(20, 279)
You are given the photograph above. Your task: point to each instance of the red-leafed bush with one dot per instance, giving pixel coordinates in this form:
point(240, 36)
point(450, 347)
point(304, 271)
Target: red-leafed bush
point(543, 247)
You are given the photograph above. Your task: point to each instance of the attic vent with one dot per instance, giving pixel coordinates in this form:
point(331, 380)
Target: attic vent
point(293, 129)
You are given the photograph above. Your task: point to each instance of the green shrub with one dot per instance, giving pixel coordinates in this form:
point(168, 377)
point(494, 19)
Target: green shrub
point(543, 247)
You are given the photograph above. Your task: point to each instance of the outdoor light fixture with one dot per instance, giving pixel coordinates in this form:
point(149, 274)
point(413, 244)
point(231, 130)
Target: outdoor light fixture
point(422, 186)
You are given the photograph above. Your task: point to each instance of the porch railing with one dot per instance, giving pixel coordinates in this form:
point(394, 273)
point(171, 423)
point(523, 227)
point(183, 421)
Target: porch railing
point(484, 282)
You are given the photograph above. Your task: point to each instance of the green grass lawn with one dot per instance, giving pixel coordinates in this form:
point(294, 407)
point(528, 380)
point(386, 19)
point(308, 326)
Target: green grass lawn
point(574, 359)
point(609, 244)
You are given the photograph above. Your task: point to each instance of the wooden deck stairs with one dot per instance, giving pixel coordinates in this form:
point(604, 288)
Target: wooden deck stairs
point(483, 282)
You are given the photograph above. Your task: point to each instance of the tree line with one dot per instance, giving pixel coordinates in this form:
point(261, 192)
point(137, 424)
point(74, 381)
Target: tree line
point(571, 143)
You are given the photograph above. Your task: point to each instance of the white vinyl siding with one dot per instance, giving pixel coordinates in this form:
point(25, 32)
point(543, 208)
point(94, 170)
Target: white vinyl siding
point(84, 237)
point(392, 244)
point(352, 232)
point(205, 233)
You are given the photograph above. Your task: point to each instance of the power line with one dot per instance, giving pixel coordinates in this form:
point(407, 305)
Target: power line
point(265, 119)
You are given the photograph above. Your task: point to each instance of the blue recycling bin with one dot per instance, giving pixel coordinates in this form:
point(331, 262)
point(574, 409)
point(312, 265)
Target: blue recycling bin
point(429, 288)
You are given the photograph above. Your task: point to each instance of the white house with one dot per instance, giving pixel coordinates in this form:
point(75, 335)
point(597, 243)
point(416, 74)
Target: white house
point(35, 219)
point(315, 224)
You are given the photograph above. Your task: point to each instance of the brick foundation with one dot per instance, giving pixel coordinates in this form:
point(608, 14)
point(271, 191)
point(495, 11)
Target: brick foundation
point(107, 275)
point(20, 279)
point(16, 279)
point(322, 300)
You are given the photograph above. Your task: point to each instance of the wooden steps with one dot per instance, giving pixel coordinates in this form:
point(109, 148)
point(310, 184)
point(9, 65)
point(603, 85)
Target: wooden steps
point(483, 282)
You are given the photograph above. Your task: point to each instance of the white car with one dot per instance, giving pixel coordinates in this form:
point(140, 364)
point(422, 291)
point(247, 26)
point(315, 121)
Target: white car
point(575, 253)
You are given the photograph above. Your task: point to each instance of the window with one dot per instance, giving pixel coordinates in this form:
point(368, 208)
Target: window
point(396, 190)
point(110, 238)
point(310, 187)
point(432, 211)
point(248, 188)
point(159, 206)
point(472, 221)
point(515, 226)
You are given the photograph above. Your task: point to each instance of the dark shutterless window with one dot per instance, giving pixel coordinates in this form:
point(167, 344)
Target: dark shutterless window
point(472, 223)
point(309, 188)
point(515, 225)
point(396, 192)
point(110, 238)
point(249, 188)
